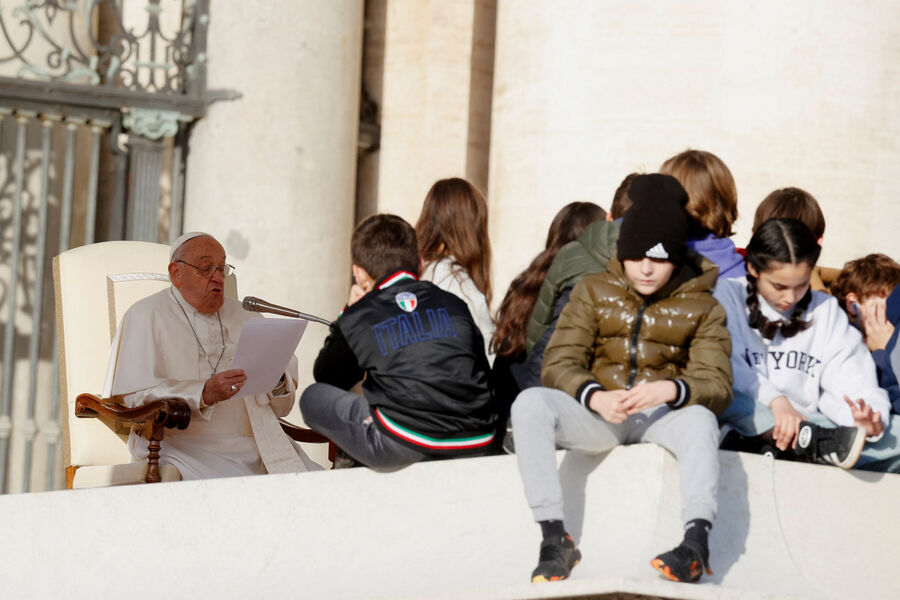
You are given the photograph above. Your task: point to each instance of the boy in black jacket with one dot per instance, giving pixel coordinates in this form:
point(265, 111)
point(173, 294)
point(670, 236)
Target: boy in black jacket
point(419, 352)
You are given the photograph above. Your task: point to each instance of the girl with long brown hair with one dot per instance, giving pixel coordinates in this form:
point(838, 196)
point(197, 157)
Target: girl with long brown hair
point(515, 310)
point(514, 369)
point(455, 249)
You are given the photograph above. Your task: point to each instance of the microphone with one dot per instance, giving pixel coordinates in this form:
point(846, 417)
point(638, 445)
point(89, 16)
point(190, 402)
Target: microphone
point(255, 304)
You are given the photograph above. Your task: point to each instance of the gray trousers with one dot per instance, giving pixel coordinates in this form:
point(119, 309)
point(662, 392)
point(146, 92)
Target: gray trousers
point(346, 419)
point(544, 417)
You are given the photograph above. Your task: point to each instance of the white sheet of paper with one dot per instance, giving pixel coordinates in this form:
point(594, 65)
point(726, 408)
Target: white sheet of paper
point(264, 351)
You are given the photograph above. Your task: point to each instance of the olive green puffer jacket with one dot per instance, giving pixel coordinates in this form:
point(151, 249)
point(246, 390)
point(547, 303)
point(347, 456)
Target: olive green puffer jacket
point(588, 254)
point(611, 335)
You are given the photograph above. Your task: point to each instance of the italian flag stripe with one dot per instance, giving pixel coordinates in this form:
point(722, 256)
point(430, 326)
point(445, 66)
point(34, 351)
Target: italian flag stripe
point(430, 442)
point(398, 276)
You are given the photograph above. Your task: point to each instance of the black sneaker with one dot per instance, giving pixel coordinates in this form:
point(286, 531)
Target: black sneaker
point(509, 443)
point(838, 446)
point(558, 556)
point(729, 439)
point(685, 563)
point(342, 460)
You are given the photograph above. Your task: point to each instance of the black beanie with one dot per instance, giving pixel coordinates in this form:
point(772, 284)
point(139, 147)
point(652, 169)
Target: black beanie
point(656, 225)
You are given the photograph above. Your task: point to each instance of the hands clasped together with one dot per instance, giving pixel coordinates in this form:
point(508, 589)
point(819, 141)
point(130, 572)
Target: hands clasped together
point(617, 405)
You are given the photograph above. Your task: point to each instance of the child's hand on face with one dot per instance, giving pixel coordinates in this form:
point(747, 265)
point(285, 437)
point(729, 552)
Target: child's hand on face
point(877, 328)
point(865, 416)
point(356, 292)
point(787, 423)
point(609, 405)
point(650, 394)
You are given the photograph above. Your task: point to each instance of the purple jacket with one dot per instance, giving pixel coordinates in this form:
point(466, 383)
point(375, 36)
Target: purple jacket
point(722, 252)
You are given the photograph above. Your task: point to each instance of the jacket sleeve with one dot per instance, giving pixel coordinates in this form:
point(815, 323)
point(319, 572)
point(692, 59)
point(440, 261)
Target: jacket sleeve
point(336, 363)
point(536, 356)
point(893, 363)
point(748, 381)
point(568, 358)
point(708, 371)
point(541, 314)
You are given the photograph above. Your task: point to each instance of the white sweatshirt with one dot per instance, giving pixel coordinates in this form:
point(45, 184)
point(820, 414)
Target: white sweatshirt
point(814, 369)
point(450, 277)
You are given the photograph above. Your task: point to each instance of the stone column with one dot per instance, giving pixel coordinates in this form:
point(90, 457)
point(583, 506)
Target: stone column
point(272, 175)
point(786, 94)
point(429, 67)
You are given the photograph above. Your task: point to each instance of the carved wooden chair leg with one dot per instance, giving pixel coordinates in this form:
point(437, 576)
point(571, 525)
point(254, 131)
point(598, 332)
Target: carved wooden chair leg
point(157, 431)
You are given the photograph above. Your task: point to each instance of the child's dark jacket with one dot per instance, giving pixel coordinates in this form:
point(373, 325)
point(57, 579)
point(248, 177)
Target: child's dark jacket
point(611, 336)
point(426, 374)
point(888, 360)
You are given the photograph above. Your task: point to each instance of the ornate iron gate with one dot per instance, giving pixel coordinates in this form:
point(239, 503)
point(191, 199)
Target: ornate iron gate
point(97, 98)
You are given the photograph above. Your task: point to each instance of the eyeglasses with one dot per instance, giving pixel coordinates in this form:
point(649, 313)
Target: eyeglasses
point(208, 270)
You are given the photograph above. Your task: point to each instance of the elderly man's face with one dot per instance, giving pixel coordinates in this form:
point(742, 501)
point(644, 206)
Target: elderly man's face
point(206, 294)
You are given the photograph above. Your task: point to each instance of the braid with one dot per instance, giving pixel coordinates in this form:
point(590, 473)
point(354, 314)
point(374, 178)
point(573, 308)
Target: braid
point(786, 241)
point(797, 323)
point(768, 328)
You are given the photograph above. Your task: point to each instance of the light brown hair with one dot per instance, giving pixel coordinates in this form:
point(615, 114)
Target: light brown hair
point(712, 194)
point(454, 222)
point(621, 201)
point(515, 311)
point(871, 275)
point(384, 244)
point(791, 203)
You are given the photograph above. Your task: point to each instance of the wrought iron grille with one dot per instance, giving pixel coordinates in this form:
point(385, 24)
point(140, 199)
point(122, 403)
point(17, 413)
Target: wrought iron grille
point(97, 98)
point(96, 47)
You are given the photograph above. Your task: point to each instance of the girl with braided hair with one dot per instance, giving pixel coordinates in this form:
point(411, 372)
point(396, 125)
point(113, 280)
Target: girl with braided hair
point(804, 383)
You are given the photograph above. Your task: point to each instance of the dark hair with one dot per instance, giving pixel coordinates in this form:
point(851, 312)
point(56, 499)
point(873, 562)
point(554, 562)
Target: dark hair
point(384, 244)
point(871, 275)
point(791, 203)
point(787, 241)
point(711, 190)
point(515, 311)
point(454, 222)
point(621, 201)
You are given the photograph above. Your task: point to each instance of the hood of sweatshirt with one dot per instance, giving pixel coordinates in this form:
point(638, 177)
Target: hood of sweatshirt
point(722, 252)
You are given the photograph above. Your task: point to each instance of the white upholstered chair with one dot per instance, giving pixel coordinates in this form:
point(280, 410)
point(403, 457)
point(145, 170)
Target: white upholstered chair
point(95, 285)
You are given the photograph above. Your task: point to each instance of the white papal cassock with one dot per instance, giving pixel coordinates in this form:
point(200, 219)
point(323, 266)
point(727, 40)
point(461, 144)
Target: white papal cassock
point(156, 355)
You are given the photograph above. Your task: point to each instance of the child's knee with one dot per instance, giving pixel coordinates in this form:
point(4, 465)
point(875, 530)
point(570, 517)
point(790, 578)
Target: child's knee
point(310, 399)
point(529, 405)
point(701, 420)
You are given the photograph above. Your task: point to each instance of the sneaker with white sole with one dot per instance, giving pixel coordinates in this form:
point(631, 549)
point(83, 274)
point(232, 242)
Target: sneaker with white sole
point(838, 446)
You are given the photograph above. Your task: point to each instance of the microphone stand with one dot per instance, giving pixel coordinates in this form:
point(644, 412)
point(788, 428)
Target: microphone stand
point(255, 304)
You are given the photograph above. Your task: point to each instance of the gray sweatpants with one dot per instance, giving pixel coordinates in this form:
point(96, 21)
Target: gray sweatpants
point(346, 419)
point(544, 417)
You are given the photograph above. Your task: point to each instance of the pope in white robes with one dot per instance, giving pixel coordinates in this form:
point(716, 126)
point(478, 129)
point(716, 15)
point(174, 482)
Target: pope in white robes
point(180, 343)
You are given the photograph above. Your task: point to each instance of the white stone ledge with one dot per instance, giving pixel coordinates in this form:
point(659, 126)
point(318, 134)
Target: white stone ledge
point(456, 529)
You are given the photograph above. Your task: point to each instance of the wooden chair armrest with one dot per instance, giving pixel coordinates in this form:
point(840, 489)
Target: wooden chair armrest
point(828, 274)
point(170, 413)
point(302, 434)
point(154, 418)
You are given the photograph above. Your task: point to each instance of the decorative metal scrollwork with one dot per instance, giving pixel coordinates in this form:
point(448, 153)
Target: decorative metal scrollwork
point(88, 42)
